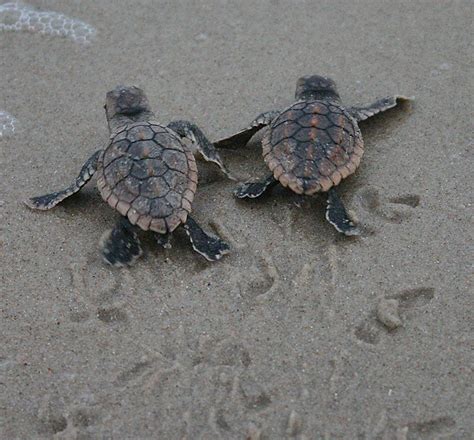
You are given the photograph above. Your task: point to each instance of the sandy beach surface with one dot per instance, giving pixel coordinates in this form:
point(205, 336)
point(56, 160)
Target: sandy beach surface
point(292, 335)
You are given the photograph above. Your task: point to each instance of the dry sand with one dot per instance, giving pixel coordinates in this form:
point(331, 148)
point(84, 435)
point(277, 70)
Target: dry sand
point(284, 338)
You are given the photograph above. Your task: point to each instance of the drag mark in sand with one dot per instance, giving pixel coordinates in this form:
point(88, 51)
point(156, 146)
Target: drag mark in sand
point(415, 297)
point(393, 209)
point(221, 421)
point(61, 420)
point(187, 363)
point(222, 231)
point(51, 415)
point(272, 273)
point(253, 395)
point(253, 432)
point(431, 428)
point(18, 16)
point(111, 315)
point(7, 124)
point(390, 312)
point(212, 422)
point(294, 424)
point(367, 332)
point(412, 200)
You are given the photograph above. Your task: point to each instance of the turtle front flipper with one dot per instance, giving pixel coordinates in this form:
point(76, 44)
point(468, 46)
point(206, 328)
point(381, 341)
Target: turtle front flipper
point(337, 215)
point(242, 137)
point(49, 201)
point(252, 190)
point(381, 105)
point(190, 131)
point(120, 245)
point(211, 248)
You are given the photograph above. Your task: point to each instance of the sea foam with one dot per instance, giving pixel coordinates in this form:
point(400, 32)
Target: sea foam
point(7, 124)
point(21, 17)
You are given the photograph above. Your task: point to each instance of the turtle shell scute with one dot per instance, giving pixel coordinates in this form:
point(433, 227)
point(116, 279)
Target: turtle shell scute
point(140, 133)
point(154, 187)
point(284, 131)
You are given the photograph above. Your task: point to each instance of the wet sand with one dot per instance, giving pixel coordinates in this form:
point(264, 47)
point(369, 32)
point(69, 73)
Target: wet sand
point(299, 332)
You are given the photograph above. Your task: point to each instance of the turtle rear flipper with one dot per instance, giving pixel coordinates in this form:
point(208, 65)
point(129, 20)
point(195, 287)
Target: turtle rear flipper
point(364, 112)
point(252, 190)
point(242, 137)
point(120, 245)
point(49, 201)
point(337, 215)
point(211, 248)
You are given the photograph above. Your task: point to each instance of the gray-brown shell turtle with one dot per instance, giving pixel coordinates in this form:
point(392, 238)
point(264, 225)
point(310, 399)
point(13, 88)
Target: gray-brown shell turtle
point(148, 174)
point(312, 145)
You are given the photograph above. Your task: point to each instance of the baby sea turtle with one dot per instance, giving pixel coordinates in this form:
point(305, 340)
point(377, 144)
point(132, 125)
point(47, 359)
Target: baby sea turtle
point(311, 145)
point(148, 174)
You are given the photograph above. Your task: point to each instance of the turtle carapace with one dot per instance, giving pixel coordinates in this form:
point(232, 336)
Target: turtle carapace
point(146, 173)
point(312, 145)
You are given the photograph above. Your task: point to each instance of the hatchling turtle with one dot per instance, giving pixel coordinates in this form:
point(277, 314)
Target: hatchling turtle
point(148, 174)
point(311, 145)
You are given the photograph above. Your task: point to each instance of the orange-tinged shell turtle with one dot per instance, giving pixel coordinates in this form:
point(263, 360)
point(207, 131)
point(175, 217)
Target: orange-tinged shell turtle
point(146, 173)
point(312, 145)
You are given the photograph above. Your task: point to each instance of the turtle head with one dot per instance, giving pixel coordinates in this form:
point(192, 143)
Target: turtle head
point(316, 87)
point(126, 104)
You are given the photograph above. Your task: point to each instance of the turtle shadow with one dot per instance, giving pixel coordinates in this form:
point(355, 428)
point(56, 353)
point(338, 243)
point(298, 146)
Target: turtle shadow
point(209, 175)
point(246, 162)
point(87, 203)
point(386, 122)
point(181, 251)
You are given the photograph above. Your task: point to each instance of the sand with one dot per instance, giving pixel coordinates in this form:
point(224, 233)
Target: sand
point(299, 333)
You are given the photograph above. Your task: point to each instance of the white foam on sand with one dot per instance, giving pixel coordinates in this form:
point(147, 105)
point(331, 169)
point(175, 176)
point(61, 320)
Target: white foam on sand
point(7, 124)
point(21, 17)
